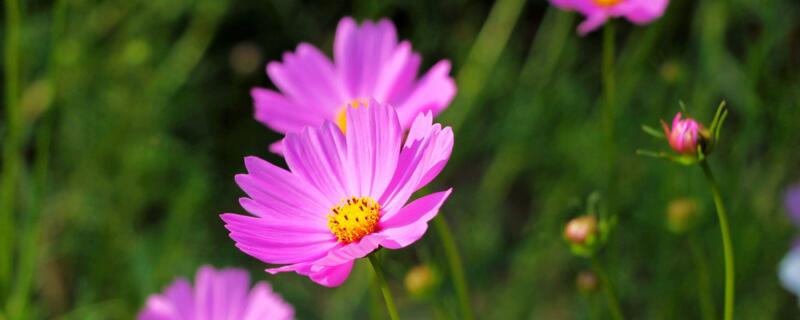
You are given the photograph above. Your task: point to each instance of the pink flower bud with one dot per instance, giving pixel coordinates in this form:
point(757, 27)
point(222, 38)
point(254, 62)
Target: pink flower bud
point(579, 230)
point(685, 134)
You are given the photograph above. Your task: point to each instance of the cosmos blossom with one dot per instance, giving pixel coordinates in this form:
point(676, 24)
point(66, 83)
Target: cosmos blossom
point(345, 194)
point(217, 295)
point(598, 11)
point(368, 62)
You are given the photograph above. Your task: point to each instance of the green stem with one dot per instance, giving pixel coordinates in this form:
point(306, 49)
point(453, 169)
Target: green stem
point(605, 282)
point(727, 247)
point(380, 280)
point(11, 143)
point(703, 286)
point(455, 264)
point(609, 79)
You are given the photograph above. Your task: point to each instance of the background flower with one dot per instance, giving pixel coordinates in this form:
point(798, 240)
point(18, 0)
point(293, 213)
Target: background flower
point(369, 62)
point(598, 11)
point(217, 295)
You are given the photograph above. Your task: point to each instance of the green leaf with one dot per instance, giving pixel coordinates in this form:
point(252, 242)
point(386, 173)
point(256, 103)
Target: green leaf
point(653, 131)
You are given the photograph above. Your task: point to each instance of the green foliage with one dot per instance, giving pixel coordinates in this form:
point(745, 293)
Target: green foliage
point(126, 166)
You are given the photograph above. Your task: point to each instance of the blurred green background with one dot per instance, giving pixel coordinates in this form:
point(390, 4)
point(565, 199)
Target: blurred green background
point(124, 123)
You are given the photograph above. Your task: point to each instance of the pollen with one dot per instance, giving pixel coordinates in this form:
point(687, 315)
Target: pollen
point(341, 116)
point(606, 3)
point(354, 218)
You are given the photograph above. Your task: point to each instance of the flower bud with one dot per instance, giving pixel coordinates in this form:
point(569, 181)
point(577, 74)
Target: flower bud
point(680, 214)
point(421, 281)
point(580, 230)
point(685, 134)
point(586, 282)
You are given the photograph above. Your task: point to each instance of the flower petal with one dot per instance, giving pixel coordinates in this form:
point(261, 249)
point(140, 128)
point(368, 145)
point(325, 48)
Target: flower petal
point(280, 113)
point(411, 222)
point(309, 79)
point(318, 155)
point(177, 302)
point(424, 154)
point(351, 251)
point(433, 92)
point(281, 194)
point(373, 142)
point(220, 294)
point(278, 244)
point(263, 303)
point(397, 74)
point(360, 52)
point(329, 276)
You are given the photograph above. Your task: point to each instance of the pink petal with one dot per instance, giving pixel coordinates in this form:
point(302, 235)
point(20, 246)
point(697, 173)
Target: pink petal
point(282, 194)
point(218, 293)
point(397, 74)
point(159, 307)
point(360, 52)
point(592, 22)
point(318, 155)
point(281, 114)
point(309, 79)
point(424, 154)
point(411, 222)
point(351, 251)
point(177, 302)
point(373, 143)
point(433, 92)
point(329, 276)
point(640, 11)
point(278, 244)
point(263, 303)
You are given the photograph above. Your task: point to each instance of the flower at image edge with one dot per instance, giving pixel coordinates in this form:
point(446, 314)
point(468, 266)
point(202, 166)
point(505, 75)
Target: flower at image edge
point(597, 12)
point(217, 295)
point(344, 195)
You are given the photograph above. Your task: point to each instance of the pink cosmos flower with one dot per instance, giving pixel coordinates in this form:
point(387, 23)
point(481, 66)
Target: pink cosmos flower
point(598, 11)
point(685, 134)
point(217, 295)
point(368, 62)
point(344, 195)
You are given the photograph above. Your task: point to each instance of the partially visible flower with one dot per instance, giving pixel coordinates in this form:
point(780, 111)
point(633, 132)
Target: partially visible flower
point(685, 135)
point(581, 230)
point(598, 11)
point(368, 62)
point(681, 213)
point(345, 193)
point(586, 282)
point(789, 271)
point(792, 202)
point(217, 295)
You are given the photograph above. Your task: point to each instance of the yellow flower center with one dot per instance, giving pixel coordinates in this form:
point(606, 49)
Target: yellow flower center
point(354, 218)
point(606, 3)
point(341, 117)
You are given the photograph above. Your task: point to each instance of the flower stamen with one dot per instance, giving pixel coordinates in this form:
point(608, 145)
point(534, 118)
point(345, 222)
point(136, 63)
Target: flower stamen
point(354, 218)
point(606, 3)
